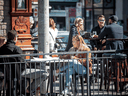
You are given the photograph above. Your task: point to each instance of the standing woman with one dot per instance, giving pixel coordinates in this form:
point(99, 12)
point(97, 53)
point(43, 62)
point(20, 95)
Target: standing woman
point(52, 35)
point(75, 29)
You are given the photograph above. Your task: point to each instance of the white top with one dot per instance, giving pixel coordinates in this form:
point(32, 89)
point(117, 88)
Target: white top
point(54, 34)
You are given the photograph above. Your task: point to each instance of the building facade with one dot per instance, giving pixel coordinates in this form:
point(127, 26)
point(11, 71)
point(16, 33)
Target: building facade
point(64, 13)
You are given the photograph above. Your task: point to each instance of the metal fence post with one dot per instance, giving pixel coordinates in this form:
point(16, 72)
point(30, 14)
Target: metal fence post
point(88, 82)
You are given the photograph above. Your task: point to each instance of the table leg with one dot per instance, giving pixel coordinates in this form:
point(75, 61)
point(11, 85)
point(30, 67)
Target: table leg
point(117, 77)
point(51, 78)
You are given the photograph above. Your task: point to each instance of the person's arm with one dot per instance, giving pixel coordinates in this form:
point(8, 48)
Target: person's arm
point(92, 42)
point(83, 61)
point(18, 50)
point(65, 56)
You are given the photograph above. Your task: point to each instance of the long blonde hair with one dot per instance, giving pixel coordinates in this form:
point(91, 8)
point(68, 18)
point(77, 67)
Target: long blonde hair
point(52, 23)
point(79, 27)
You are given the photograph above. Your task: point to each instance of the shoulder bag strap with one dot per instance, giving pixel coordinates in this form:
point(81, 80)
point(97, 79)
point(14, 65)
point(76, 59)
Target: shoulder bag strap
point(52, 36)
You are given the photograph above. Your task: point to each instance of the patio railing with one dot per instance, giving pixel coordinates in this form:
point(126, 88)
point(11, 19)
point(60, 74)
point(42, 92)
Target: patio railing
point(48, 76)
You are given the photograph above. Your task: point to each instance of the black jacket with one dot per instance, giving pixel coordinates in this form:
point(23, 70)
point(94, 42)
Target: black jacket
point(96, 43)
point(73, 32)
point(10, 49)
point(113, 31)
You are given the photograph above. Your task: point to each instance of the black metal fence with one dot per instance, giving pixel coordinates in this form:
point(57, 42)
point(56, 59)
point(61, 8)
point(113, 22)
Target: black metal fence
point(50, 76)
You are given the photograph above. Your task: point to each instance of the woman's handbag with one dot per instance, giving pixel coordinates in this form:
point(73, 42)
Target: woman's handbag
point(56, 45)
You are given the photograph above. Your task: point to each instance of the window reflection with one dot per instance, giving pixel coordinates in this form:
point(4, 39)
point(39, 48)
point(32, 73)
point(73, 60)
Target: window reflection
point(98, 3)
point(107, 13)
point(89, 20)
point(21, 4)
point(108, 3)
point(88, 3)
point(97, 12)
point(95, 8)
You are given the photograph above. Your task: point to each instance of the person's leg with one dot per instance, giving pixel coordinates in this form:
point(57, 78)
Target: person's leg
point(9, 91)
point(23, 86)
point(74, 66)
point(69, 73)
point(78, 67)
point(36, 83)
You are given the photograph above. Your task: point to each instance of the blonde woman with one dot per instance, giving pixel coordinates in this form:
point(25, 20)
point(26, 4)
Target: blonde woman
point(52, 35)
point(76, 66)
point(74, 30)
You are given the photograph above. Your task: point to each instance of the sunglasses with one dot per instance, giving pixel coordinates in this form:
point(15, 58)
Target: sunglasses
point(101, 20)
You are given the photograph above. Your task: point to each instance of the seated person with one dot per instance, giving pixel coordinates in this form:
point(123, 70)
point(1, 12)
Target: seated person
point(98, 44)
point(9, 48)
point(114, 31)
point(78, 45)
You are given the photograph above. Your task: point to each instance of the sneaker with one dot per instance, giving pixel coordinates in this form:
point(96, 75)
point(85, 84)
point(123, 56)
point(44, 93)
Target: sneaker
point(65, 91)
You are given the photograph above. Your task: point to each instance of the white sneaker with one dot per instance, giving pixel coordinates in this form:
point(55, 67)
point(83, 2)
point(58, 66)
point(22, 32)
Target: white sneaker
point(65, 91)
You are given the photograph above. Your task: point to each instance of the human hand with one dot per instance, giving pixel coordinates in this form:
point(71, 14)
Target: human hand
point(103, 48)
point(95, 48)
point(95, 36)
point(103, 41)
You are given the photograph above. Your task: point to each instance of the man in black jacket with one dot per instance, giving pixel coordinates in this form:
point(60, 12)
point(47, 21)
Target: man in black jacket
point(97, 30)
point(9, 49)
point(113, 31)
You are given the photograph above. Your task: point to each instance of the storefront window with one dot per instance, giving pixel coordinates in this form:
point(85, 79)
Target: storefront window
point(108, 3)
point(98, 3)
point(107, 13)
point(88, 3)
point(89, 17)
point(21, 4)
point(97, 12)
point(94, 8)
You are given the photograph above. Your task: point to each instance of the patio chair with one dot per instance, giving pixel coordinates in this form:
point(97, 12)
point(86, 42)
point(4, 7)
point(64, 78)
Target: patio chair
point(119, 71)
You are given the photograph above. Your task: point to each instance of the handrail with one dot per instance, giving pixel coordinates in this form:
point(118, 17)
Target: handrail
point(59, 53)
point(116, 39)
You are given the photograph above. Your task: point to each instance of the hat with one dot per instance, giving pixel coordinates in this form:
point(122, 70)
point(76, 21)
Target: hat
point(113, 18)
